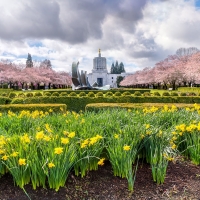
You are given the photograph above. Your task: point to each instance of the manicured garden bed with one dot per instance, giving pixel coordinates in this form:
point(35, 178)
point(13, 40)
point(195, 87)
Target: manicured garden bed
point(48, 149)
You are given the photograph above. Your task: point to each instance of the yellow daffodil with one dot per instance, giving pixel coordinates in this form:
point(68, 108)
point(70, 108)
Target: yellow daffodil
point(126, 148)
point(64, 140)
point(50, 165)
point(14, 154)
point(116, 136)
point(58, 150)
point(22, 161)
point(47, 138)
point(71, 135)
point(84, 143)
point(101, 161)
point(40, 135)
point(147, 126)
point(5, 157)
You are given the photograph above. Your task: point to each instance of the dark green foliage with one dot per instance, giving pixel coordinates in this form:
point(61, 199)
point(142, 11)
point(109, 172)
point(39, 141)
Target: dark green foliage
point(108, 94)
point(48, 94)
point(99, 94)
point(4, 94)
point(38, 94)
point(29, 62)
point(117, 94)
point(21, 94)
point(165, 94)
point(127, 93)
point(146, 94)
point(183, 94)
point(30, 94)
point(55, 94)
point(137, 93)
point(63, 94)
point(33, 107)
point(72, 94)
point(174, 94)
point(91, 94)
point(117, 68)
point(82, 94)
point(119, 79)
point(12, 95)
point(156, 94)
point(5, 100)
point(77, 103)
point(192, 94)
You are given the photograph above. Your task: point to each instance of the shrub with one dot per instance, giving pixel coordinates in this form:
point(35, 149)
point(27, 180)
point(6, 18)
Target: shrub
point(126, 93)
point(174, 94)
point(109, 94)
point(33, 107)
point(91, 94)
point(4, 94)
point(47, 94)
point(30, 94)
point(21, 94)
point(82, 94)
point(63, 94)
point(147, 94)
point(183, 94)
point(192, 94)
point(137, 93)
point(12, 95)
point(117, 94)
point(99, 94)
point(157, 94)
point(38, 94)
point(165, 94)
point(55, 94)
point(72, 94)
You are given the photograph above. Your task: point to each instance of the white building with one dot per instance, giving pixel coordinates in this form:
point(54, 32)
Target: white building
point(100, 73)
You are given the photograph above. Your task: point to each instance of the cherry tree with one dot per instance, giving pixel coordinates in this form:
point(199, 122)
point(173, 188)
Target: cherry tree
point(20, 75)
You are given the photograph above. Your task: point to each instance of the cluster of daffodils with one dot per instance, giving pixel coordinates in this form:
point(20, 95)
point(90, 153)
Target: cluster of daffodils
point(190, 128)
point(34, 115)
point(168, 109)
point(152, 109)
point(90, 141)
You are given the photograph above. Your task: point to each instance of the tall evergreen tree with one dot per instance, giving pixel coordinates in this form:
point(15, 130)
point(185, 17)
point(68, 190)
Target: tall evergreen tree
point(29, 62)
point(121, 68)
point(119, 79)
point(112, 68)
point(117, 68)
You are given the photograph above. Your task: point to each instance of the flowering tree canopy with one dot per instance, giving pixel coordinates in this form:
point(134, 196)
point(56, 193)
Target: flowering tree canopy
point(183, 68)
point(21, 75)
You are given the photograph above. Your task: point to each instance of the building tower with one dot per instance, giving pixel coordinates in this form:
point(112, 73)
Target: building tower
point(99, 64)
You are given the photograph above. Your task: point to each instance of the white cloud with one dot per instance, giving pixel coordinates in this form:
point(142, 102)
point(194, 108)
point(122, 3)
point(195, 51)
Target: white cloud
point(137, 33)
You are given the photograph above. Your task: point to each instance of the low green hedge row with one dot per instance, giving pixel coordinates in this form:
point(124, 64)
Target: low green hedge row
point(33, 107)
point(5, 100)
point(101, 106)
point(189, 89)
point(79, 103)
point(132, 91)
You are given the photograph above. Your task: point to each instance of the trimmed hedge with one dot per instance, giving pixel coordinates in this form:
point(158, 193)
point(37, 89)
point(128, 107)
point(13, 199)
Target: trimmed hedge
point(79, 103)
point(33, 107)
point(5, 100)
point(94, 107)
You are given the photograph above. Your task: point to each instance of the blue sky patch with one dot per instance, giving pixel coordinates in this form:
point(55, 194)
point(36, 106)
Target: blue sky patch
point(197, 3)
point(34, 43)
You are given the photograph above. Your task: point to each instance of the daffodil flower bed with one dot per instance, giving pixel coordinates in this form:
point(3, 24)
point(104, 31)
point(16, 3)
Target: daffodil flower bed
point(43, 147)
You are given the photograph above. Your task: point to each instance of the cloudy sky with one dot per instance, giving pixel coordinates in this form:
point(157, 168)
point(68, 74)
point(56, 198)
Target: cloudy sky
point(138, 33)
